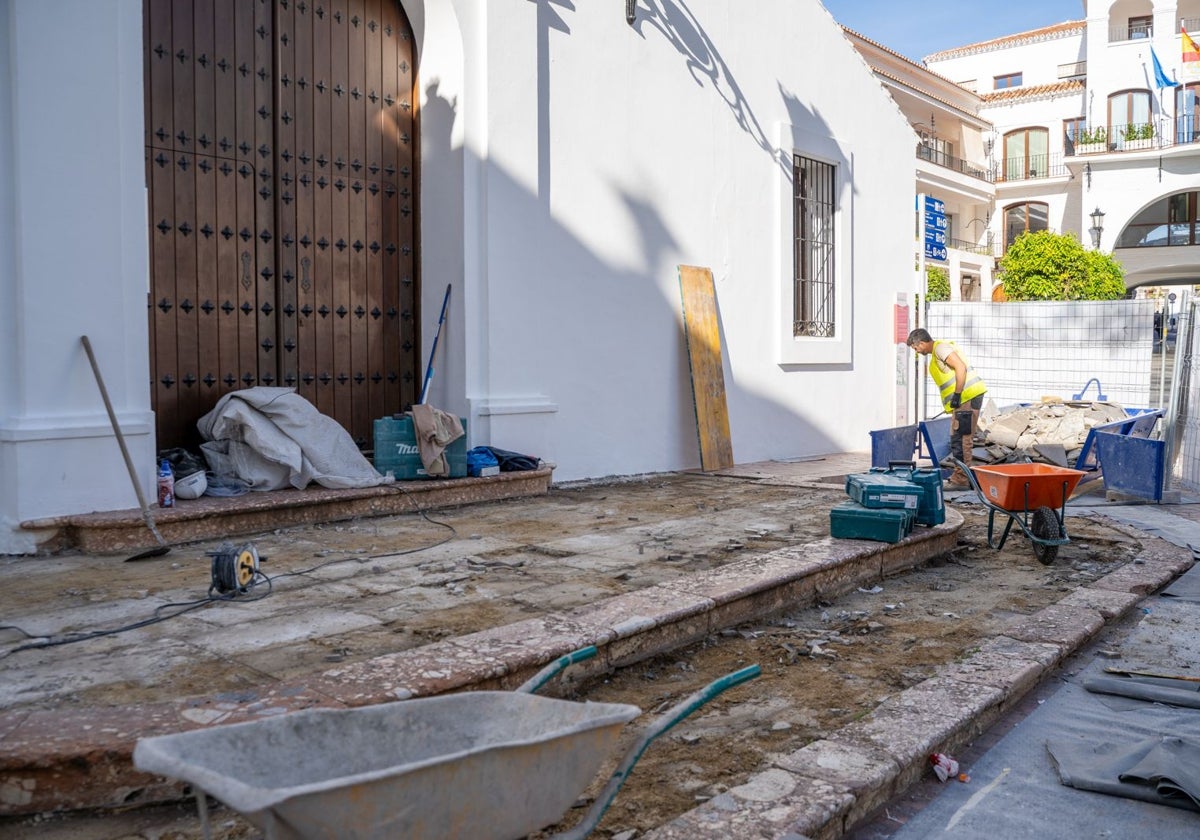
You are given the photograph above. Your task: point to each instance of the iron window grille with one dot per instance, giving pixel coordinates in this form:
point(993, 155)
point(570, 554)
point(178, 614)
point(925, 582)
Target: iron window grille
point(813, 212)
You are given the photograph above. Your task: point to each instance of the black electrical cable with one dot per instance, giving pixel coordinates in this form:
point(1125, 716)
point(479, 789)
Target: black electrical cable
point(421, 513)
point(187, 606)
point(224, 578)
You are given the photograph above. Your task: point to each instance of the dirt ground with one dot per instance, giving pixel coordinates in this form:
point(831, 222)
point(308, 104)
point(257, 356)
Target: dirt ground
point(821, 668)
point(827, 666)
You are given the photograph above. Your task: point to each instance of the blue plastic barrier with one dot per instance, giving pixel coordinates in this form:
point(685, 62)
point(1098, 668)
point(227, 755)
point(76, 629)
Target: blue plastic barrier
point(935, 435)
point(1132, 465)
point(895, 444)
point(1139, 424)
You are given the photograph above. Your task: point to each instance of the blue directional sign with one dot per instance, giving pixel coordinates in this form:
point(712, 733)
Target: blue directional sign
point(935, 228)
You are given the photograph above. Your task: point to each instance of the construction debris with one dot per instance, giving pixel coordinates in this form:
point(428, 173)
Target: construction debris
point(1048, 432)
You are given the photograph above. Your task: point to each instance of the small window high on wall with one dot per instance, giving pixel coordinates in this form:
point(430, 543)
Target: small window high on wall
point(1025, 218)
point(813, 212)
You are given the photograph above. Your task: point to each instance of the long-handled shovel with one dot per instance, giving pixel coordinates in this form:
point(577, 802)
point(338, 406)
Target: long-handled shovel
point(162, 547)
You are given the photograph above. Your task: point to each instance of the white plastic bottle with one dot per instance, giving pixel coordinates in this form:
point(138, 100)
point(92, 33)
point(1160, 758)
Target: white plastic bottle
point(166, 485)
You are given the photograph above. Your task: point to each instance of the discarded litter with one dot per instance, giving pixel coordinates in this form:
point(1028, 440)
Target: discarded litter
point(943, 766)
point(874, 590)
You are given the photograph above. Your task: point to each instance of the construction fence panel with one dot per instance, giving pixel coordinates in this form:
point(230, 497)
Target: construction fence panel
point(1184, 416)
point(1024, 351)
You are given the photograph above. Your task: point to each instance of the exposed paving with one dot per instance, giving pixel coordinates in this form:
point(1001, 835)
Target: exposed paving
point(55, 753)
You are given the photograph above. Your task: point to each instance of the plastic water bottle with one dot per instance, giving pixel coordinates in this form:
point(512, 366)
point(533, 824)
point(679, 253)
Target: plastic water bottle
point(166, 485)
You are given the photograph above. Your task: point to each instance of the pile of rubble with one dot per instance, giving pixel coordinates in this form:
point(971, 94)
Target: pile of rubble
point(1051, 432)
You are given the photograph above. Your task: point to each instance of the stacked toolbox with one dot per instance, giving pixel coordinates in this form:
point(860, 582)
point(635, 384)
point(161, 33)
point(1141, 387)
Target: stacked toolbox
point(885, 504)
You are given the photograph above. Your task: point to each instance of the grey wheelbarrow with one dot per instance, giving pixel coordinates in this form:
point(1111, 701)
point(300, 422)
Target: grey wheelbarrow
point(489, 765)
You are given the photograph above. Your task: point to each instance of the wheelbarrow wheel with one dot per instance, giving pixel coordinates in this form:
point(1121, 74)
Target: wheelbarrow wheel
point(1044, 526)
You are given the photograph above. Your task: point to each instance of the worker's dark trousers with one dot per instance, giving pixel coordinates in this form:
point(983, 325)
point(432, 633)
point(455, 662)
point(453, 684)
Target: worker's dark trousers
point(962, 426)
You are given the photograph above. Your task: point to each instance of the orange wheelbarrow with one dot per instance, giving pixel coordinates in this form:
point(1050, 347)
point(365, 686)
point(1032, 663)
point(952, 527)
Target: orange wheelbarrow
point(1034, 496)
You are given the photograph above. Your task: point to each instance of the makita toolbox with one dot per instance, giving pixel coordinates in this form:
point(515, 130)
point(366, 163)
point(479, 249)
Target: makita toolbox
point(851, 521)
point(396, 449)
point(884, 490)
point(932, 509)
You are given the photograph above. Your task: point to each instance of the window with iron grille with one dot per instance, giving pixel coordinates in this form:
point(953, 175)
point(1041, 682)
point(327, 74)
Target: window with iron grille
point(813, 211)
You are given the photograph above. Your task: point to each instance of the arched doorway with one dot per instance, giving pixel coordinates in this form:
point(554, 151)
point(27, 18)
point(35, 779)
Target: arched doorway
point(281, 169)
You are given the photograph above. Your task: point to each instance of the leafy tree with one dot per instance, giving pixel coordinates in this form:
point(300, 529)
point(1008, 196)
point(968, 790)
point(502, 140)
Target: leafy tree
point(1054, 266)
point(937, 283)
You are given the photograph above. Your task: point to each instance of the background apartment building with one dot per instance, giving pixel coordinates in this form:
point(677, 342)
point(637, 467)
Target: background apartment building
point(1067, 128)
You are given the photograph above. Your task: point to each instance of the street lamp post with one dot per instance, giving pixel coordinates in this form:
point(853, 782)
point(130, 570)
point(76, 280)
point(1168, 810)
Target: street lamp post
point(1097, 227)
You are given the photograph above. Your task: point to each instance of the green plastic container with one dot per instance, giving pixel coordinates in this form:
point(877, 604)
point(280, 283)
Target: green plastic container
point(884, 490)
point(396, 450)
point(852, 521)
point(932, 510)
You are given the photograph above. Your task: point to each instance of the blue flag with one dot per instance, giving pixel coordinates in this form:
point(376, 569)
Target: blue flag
point(1160, 78)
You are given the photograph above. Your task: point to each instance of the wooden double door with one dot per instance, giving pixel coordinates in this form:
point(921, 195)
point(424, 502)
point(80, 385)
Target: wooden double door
point(281, 168)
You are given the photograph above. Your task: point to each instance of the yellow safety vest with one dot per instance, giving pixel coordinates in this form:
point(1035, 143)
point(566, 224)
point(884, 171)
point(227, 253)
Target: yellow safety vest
point(943, 377)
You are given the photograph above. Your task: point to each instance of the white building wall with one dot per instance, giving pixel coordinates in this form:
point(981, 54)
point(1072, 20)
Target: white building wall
point(73, 259)
point(569, 164)
point(663, 148)
point(1037, 61)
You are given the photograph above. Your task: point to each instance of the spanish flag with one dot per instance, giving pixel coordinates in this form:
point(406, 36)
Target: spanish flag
point(1191, 56)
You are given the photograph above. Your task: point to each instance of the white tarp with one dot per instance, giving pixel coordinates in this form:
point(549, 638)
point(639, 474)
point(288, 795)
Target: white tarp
point(274, 438)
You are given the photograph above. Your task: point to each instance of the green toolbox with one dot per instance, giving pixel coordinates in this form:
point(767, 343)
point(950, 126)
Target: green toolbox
point(932, 509)
point(396, 450)
point(852, 521)
point(884, 490)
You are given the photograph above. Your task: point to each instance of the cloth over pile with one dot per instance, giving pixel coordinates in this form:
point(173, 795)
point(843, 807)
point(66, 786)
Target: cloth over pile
point(435, 430)
point(274, 438)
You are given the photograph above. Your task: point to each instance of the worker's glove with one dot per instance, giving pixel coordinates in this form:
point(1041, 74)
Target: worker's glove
point(955, 400)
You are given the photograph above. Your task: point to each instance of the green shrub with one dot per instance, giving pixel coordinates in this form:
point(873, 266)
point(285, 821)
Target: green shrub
point(1053, 266)
point(937, 283)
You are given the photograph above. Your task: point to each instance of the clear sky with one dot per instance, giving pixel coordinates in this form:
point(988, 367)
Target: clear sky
point(917, 29)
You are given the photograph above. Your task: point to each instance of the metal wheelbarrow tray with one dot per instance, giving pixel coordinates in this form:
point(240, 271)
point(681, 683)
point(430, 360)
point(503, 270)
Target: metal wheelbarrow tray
point(1033, 496)
point(485, 764)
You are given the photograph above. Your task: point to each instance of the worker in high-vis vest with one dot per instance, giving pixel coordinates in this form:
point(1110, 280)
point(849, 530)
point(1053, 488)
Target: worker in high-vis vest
point(961, 390)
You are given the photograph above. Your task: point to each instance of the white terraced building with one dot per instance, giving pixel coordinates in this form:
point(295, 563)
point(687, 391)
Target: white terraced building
point(1042, 129)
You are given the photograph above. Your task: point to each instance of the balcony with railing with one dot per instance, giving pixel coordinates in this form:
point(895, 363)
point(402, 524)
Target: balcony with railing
point(1136, 137)
point(941, 158)
point(1031, 167)
point(1072, 70)
point(987, 249)
point(1134, 30)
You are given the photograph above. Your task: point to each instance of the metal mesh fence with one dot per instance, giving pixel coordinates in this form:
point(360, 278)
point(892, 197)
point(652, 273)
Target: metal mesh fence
point(1077, 349)
point(1183, 415)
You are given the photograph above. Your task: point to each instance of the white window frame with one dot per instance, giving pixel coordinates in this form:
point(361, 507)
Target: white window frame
point(814, 350)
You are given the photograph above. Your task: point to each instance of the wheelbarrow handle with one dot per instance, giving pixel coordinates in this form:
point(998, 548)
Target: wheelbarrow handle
point(548, 673)
point(664, 722)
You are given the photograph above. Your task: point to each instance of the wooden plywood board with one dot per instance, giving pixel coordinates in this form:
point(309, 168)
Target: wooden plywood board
point(702, 332)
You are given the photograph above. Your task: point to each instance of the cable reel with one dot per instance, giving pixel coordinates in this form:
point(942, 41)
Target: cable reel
point(233, 569)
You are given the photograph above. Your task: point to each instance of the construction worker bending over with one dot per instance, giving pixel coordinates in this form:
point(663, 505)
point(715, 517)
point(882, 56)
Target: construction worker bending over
point(961, 390)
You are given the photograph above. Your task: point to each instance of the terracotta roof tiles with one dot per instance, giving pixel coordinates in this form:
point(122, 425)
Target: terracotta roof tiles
point(1045, 33)
point(1033, 92)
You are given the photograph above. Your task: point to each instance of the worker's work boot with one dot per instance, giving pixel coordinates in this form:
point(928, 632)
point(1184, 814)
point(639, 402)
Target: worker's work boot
point(958, 479)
